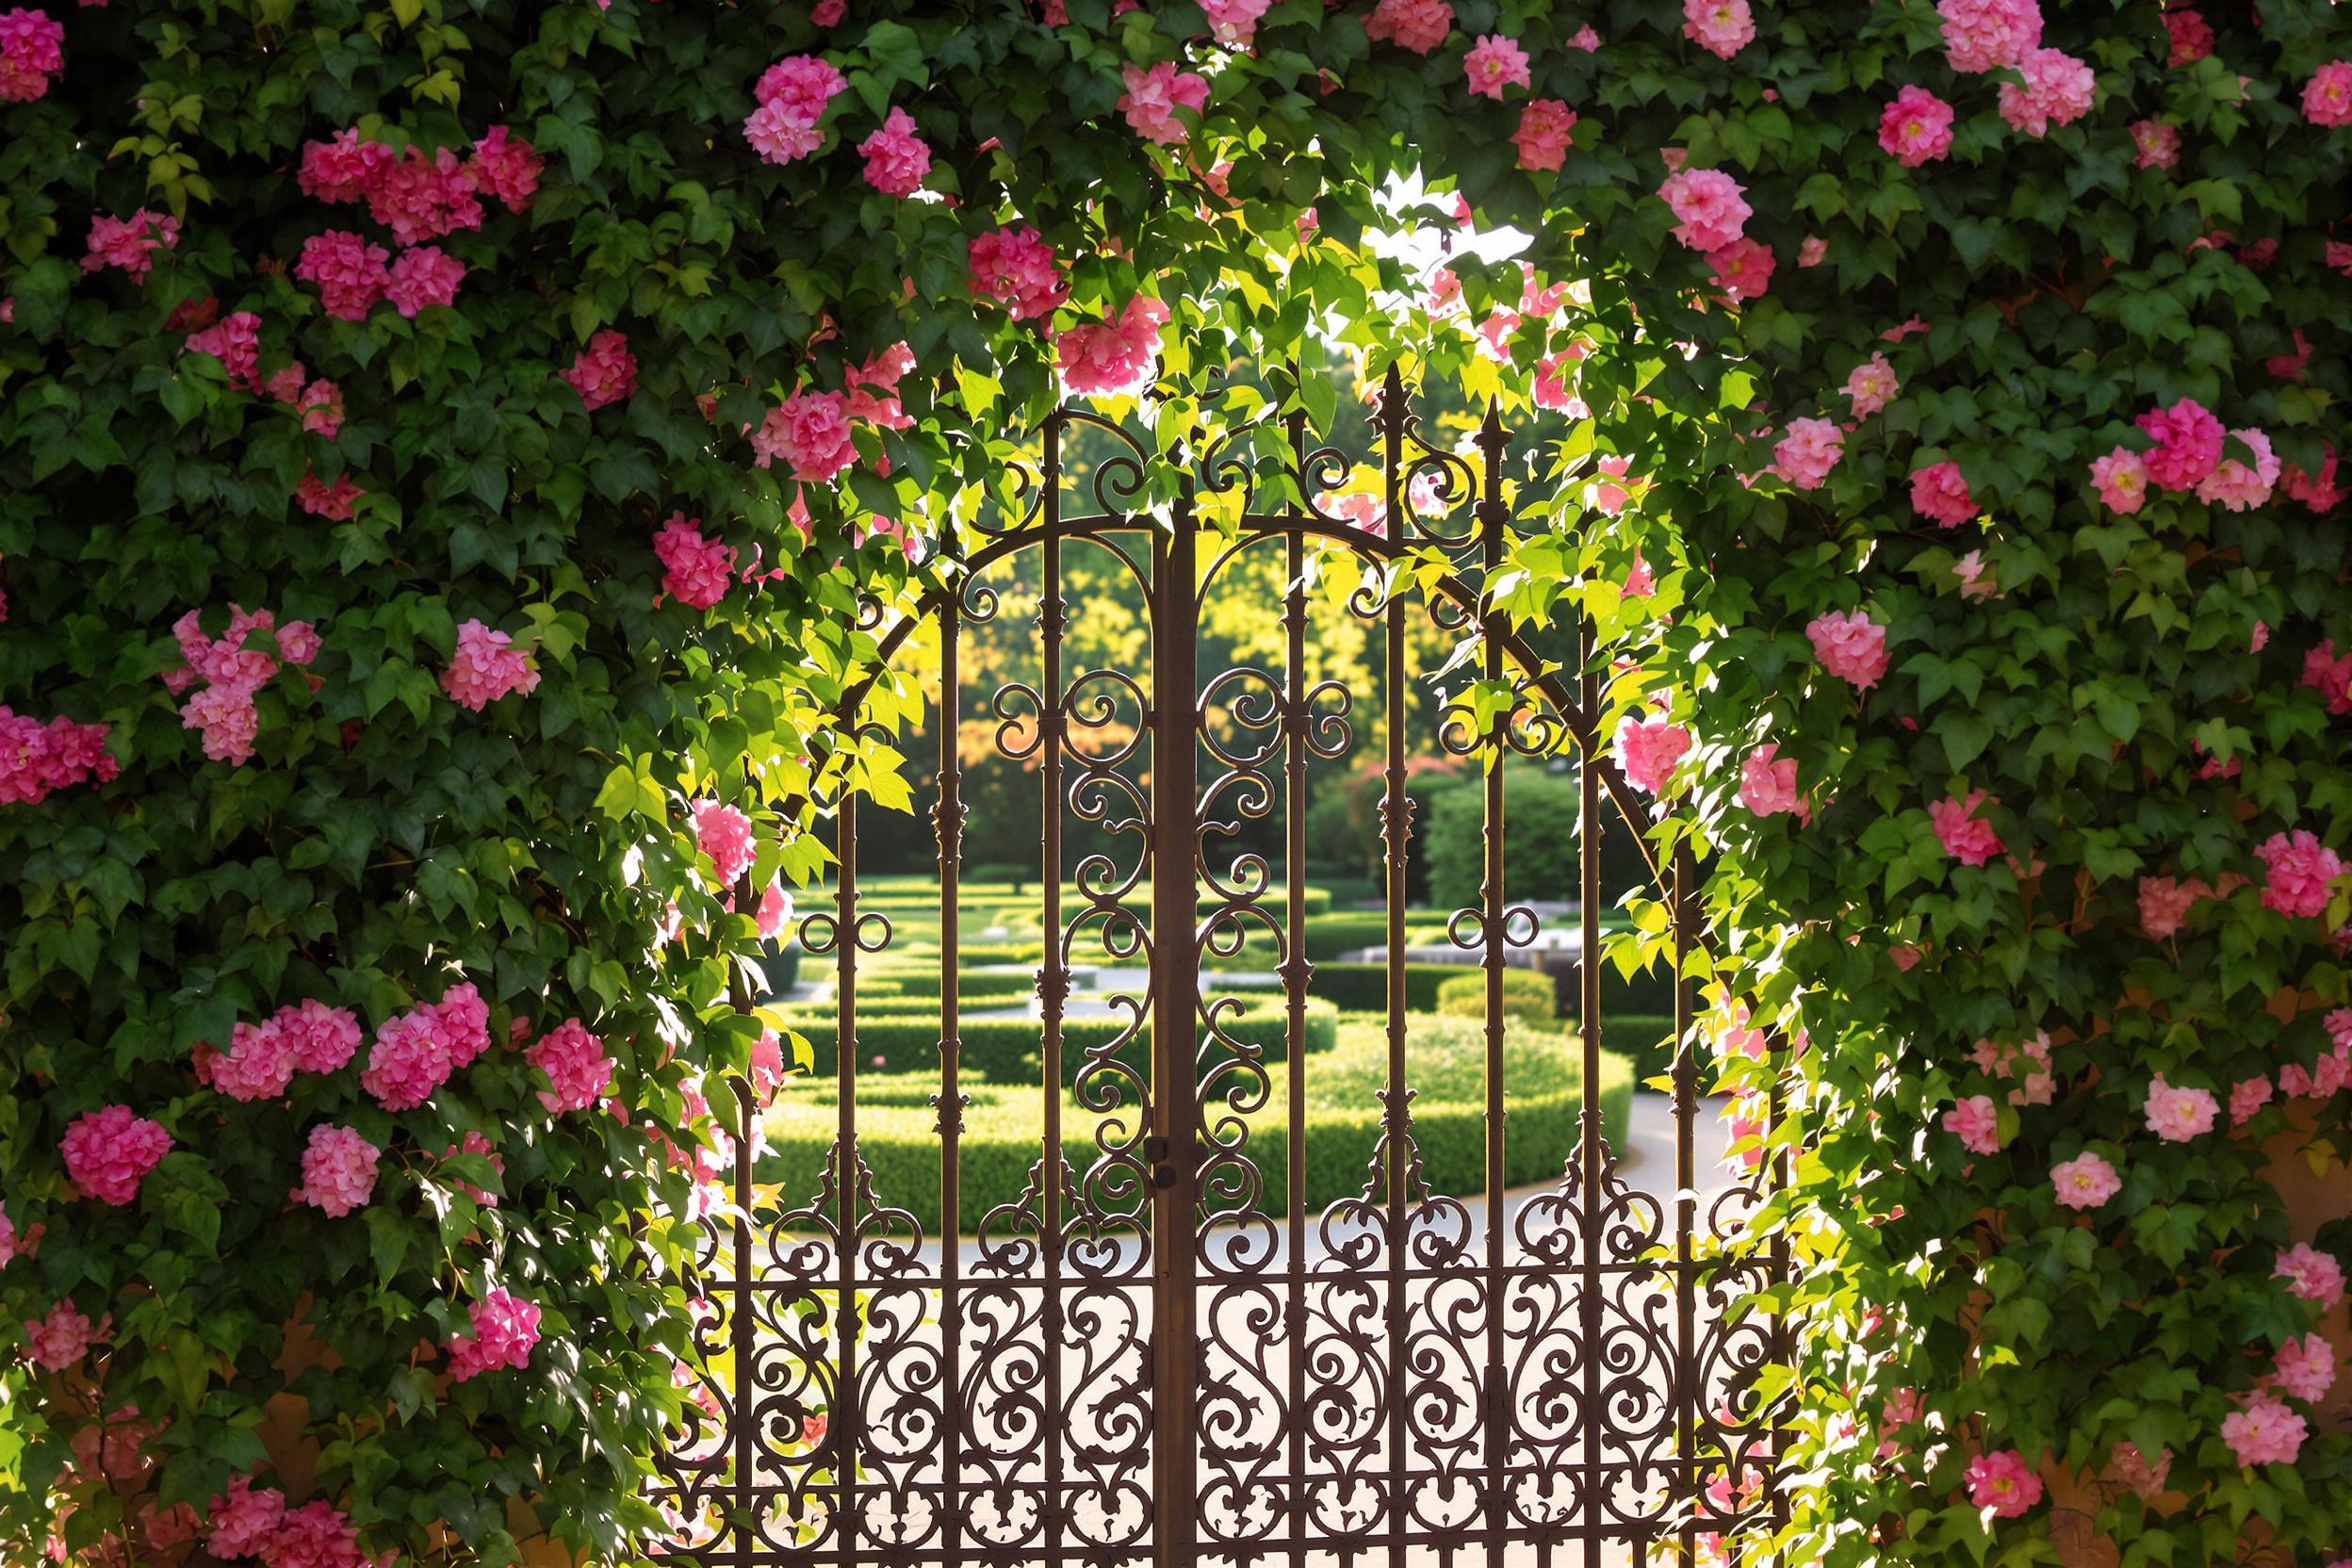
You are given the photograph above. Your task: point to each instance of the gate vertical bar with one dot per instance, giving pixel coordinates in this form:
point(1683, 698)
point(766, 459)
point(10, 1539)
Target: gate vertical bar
point(1589, 1127)
point(1053, 979)
point(1175, 985)
point(950, 823)
point(743, 1331)
point(1396, 832)
point(1681, 890)
point(1296, 971)
point(842, 1424)
point(1491, 515)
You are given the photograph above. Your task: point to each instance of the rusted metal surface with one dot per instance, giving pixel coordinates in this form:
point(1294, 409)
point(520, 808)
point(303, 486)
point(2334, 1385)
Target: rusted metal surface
point(1155, 1354)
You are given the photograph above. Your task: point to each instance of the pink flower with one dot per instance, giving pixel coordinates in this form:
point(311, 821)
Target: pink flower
point(2247, 1097)
point(343, 168)
point(2165, 904)
point(811, 431)
point(1976, 582)
point(1915, 128)
point(896, 158)
point(2328, 97)
point(2133, 1470)
point(694, 571)
point(316, 1535)
point(2192, 37)
point(2329, 676)
point(1871, 386)
point(1019, 268)
point(1984, 35)
point(2122, 480)
point(2301, 868)
point(1965, 838)
point(2317, 491)
point(408, 1063)
point(258, 1064)
point(322, 403)
point(130, 243)
point(241, 1523)
point(2264, 1432)
point(318, 1038)
point(1234, 23)
point(236, 342)
point(1722, 27)
point(338, 1170)
point(605, 372)
point(335, 502)
point(2159, 144)
point(2176, 1115)
point(423, 277)
point(1113, 357)
point(226, 719)
point(460, 1022)
point(108, 1152)
point(1939, 494)
point(485, 667)
point(2057, 91)
point(1153, 95)
point(15, 1244)
point(576, 1066)
point(1494, 63)
point(724, 833)
point(2235, 486)
point(505, 1329)
point(1811, 249)
point(1648, 750)
point(37, 759)
point(506, 168)
point(2085, 1181)
point(1543, 134)
point(63, 1336)
point(1709, 205)
point(800, 86)
point(2188, 445)
point(2001, 1482)
point(1419, 25)
point(1850, 646)
point(1743, 268)
point(779, 137)
point(1805, 455)
point(2313, 1274)
point(1976, 1123)
point(424, 196)
point(774, 911)
point(29, 54)
point(1768, 783)
point(2306, 1367)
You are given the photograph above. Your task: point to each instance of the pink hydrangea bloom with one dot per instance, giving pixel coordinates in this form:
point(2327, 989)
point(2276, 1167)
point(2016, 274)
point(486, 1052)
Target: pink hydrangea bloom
point(258, 1064)
point(108, 1152)
point(1985, 35)
point(1722, 27)
point(576, 1066)
point(409, 1061)
point(1940, 494)
point(130, 243)
point(1234, 23)
point(342, 168)
point(1768, 782)
point(1915, 128)
point(1419, 25)
point(1649, 749)
point(2311, 1274)
point(236, 342)
point(1976, 1122)
point(1115, 356)
point(2158, 144)
point(1709, 207)
point(2057, 91)
point(2192, 36)
point(778, 137)
point(2264, 1432)
point(1850, 646)
point(810, 431)
point(2329, 676)
point(2237, 487)
point(485, 667)
point(226, 720)
point(505, 1327)
point(801, 86)
point(1494, 63)
point(1543, 134)
point(2178, 1115)
point(29, 54)
point(2328, 97)
point(37, 759)
point(1871, 386)
point(1965, 838)
point(724, 833)
point(1807, 454)
point(2002, 1483)
point(1155, 95)
point(605, 372)
point(2248, 1097)
point(423, 276)
point(2188, 445)
point(2165, 904)
point(695, 571)
point(15, 1244)
point(63, 1336)
point(1019, 268)
point(241, 1522)
point(505, 167)
point(318, 1038)
point(2301, 868)
point(2306, 1367)
point(423, 196)
point(461, 1020)
point(2122, 480)
point(338, 1170)
point(2085, 1181)
point(316, 1535)
point(1743, 268)
point(896, 158)
point(335, 502)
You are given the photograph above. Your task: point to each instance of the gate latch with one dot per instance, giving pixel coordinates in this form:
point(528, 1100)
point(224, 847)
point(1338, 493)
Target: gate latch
point(1155, 1150)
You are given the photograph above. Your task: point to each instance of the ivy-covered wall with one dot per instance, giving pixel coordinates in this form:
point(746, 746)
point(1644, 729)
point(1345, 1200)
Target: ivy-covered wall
point(442, 448)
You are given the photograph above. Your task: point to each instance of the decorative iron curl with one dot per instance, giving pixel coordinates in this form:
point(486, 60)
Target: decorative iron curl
point(1003, 707)
point(1453, 485)
point(1252, 698)
point(1326, 731)
point(1028, 499)
point(1097, 710)
point(977, 601)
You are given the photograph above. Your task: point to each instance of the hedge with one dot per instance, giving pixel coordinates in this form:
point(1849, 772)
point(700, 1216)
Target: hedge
point(1528, 996)
point(1008, 1049)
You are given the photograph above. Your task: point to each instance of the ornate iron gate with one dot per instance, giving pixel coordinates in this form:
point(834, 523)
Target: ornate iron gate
point(1158, 1352)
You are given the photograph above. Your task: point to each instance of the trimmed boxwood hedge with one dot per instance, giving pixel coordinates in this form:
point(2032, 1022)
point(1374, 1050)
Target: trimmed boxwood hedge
point(1527, 995)
point(898, 1139)
point(1350, 986)
point(1008, 1050)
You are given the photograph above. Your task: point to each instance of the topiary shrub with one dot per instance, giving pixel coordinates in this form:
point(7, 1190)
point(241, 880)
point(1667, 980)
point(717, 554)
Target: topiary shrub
point(1527, 997)
point(1008, 1049)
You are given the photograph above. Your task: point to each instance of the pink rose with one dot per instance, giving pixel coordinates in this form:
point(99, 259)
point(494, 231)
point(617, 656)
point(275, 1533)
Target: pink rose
point(2328, 97)
point(2329, 676)
point(1155, 95)
point(2122, 480)
point(505, 1329)
point(1768, 784)
point(1648, 750)
point(2264, 1432)
point(2311, 1274)
point(2001, 1482)
point(350, 272)
point(1743, 268)
point(2158, 144)
point(506, 167)
point(1976, 1123)
point(1850, 646)
point(2057, 91)
point(1114, 357)
point(63, 1336)
point(724, 835)
point(1871, 386)
point(605, 370)
point(2188, 445)
point(1709, 205)
point(2237, 487)
point(2192, 36)
point(578, 1072)
point(240, 1524)
point(1722, 27)
point(1543, 134)
point(1984, 35)
point(487, 666)
point(2299, 871)
point(1807, 454)
point(1018, 268)
point(2306, 1367)
point(811, 431)
point(1965, 838)
point(695, 571)
point(896, 158)
point(338, 1170)
point(2085, 1181)
point(2248, 1099)
point(1939, 494)
point(108, 1152)
point(1494, 63)
point(1420, 26)
point(2178, 1115)
point(1915, 128)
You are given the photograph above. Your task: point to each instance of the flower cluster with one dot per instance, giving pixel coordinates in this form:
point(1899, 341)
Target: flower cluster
point(262, 1059)
point(37, 758)
point(505, 1327)
point(1154, 95)
point(487, 666)
point(1850, 646)
point(338, 1170)
point(792, 95)
point(108, 1152)
point(578, 1070)
point(1420, 26)
point(250, 1521)
point(416, 1052)
point(130, 243)
point(1018, 268)
point(604, 371)
point(1649, 749)
point(30, 54)
point(221, 676)
point(1113, 357)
